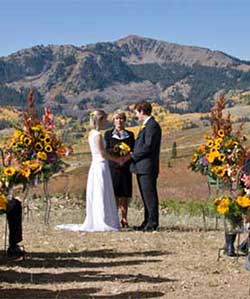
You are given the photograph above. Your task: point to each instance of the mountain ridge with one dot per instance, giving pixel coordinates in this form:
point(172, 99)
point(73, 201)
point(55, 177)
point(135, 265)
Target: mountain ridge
point(75, 79)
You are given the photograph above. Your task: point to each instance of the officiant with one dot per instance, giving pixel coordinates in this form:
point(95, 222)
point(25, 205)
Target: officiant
point(120, 142)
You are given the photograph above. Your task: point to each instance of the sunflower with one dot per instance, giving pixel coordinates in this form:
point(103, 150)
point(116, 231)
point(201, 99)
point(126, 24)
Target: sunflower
point(217, 146)
point(42, 137)
point(21, 137)
point(221, 171)
point(195, 157)
point(210, 143)
point(222, 157)
point(222, 209)
point(223, 206)
point(17, 134)
point(9, 171)
point(218, 140)
point(25, 172)
point(243, 201)
point(210, 157)
point(124, 148)
point(48, 148)
point(27, 141)
point(32, 164)
point(42, 156)
point(38, 146)
point(47, 139)
point(221, 133)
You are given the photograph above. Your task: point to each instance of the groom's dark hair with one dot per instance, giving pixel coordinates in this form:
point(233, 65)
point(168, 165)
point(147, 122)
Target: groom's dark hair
point(144, 106)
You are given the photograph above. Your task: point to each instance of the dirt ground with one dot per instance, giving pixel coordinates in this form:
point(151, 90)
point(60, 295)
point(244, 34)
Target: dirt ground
point(178, 261)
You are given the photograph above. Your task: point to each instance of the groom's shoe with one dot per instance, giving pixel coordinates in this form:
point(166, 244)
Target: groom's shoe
point(140, 227)
point(149, 228)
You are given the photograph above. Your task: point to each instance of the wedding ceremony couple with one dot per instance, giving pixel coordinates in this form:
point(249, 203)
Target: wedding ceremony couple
point(114, 158)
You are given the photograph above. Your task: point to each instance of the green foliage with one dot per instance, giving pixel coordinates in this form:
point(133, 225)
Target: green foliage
point(192, 208)
point(205, 81)
point(11, 97)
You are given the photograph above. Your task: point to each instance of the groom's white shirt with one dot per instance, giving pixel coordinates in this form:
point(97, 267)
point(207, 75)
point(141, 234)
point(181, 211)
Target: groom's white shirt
point(146, 120)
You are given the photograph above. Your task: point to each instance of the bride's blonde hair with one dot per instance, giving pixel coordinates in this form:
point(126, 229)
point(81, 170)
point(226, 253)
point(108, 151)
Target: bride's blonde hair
point(96, 117)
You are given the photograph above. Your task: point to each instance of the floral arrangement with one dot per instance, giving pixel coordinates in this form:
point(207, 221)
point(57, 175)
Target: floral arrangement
point(222, 154)
point(33, 153)
point(121, 149)
point(232, 207)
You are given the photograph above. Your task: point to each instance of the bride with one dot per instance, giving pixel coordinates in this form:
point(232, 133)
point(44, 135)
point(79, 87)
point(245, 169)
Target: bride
point(101, 210)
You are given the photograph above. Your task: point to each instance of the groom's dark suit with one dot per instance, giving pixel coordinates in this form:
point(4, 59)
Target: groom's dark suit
point(145, 163)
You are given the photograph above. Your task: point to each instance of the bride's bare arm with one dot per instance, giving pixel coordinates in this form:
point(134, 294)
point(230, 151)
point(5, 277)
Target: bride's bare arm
point(104, 153)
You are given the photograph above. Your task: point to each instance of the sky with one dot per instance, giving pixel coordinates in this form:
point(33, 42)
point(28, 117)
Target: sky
point(221, 25)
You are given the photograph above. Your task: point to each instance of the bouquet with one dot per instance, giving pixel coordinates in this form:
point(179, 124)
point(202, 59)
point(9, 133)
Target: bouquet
point(34, 152)
point(222, 155)
point(121, 149)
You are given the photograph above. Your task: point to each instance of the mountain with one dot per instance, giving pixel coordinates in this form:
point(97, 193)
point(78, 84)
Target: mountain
point(115, 74)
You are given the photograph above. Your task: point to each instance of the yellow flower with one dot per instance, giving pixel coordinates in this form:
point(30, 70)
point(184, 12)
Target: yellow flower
point(17, 134)
point(210, 143)
point(223, 205)
point(215, 152)
point(21, 138)
point(243, 201)
point(27, 141)
point(222, 210)
point(222, 157)
point(121, 148)
point(47, 139)
point(42, 156)
point(48, 148)
point(37, 128)
point(221, 171)
point(195, 157)
point(124, 147)
point(32, 164)
point(3, 202)
point(210, 157)
point(9, 171)
point(42, 137)
point(25, 172)
point(218, 140)
point(217, 146)
point(38, 146)
point(221, 133)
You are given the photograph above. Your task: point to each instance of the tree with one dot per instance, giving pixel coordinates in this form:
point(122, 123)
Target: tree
point(174, 150)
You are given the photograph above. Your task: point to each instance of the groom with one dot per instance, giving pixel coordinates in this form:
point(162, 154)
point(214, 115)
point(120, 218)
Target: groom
point(145, 164)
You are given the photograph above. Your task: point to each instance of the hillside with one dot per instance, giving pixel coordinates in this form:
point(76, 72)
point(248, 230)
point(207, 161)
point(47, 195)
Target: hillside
point(73, 79)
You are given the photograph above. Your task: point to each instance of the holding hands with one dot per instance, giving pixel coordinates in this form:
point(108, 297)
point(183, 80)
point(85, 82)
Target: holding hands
point(123, 159)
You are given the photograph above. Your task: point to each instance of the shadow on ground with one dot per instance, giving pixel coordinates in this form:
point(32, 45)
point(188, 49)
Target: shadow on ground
point(85, 293)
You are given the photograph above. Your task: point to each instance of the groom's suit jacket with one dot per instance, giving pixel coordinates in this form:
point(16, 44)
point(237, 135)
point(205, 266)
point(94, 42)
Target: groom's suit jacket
point(145, 156)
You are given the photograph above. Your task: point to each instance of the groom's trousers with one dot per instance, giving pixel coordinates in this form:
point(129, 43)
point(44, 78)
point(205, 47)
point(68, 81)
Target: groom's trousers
point(148, 189)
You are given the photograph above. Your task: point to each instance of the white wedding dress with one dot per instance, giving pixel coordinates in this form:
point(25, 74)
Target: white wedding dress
point(101, 210)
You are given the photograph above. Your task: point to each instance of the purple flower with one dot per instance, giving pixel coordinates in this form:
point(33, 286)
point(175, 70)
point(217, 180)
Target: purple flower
point(204, 161)
point(51, 158)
